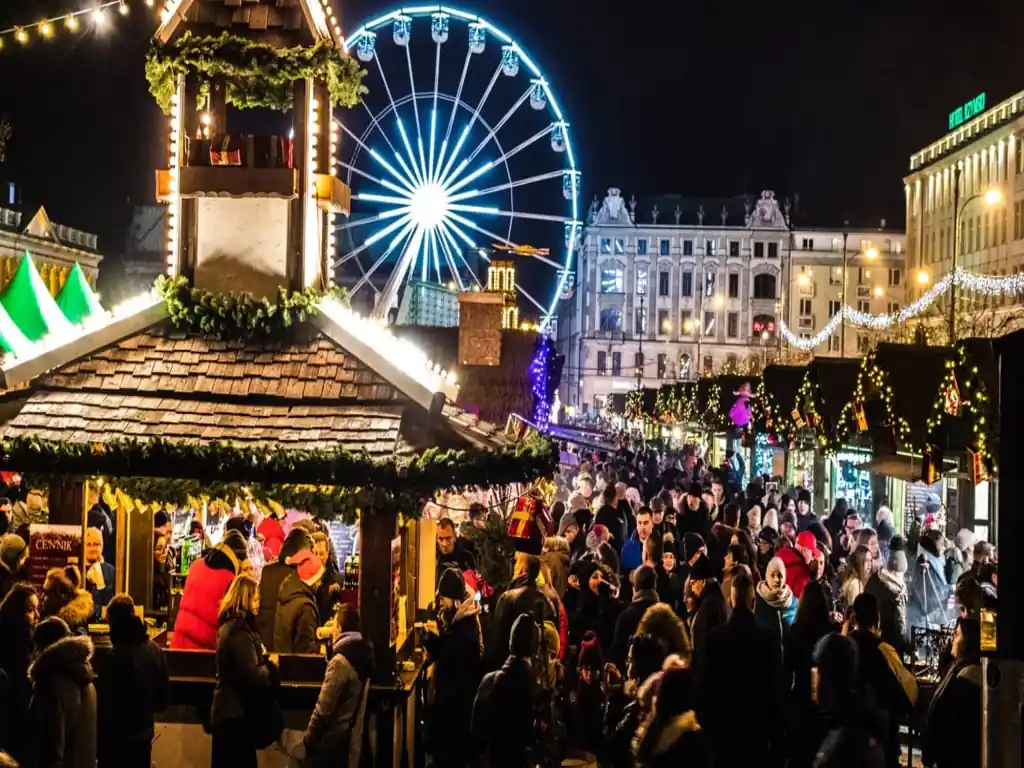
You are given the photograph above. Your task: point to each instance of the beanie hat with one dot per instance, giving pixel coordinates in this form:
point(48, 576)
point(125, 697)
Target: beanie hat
point(552, 640)
point(788, 517)
point(309, 569)
point(701, 569)
point(696, 489)
point(452, 584)
point(964, 539)
point(565, 522)
point(235, 542)
point(692, 542)
point(49, 631)
point(768, 534)
point(591, 656)
point(898, 544)
point(296, 541)
point(804, 495)
point(525, 637)
point(596, 536)
point(11, 547)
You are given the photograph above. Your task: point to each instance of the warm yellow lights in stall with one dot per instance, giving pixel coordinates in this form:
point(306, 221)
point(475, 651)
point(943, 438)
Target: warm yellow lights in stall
point(71, 22)
point(174, 163)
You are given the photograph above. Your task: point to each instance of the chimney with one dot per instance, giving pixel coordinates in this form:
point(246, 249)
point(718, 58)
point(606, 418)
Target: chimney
point(480, 328)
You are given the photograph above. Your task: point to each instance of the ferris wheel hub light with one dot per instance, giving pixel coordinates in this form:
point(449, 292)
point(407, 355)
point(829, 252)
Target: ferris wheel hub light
point(429, 206)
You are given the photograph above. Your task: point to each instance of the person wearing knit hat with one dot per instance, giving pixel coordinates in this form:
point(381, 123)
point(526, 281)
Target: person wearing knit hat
point(889, 588)
point(591, 658)
point(706, 603)
point(524, 639)
point(693, 545)
point(297, 616)
point(804, 515)
point(452, 585)
point(597, 536)
point(586, 703)
point(788, 526)
point(13, 554)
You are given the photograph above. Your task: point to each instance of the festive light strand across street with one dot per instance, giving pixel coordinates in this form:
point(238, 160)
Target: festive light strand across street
point(98, 16)
point(968, 281)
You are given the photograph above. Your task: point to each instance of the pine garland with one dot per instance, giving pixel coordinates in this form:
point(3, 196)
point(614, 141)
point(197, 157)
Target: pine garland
point(258, 75)
point(237, 315)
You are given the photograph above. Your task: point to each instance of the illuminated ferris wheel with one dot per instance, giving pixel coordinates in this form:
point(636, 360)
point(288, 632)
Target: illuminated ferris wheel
point(459, 148)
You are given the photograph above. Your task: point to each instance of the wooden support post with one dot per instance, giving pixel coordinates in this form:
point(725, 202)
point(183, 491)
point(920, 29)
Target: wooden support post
point(377, 528)
point(139, 559)
point(297, 207)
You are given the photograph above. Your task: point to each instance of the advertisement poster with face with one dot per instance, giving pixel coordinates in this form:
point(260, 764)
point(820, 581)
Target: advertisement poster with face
point(52, 546)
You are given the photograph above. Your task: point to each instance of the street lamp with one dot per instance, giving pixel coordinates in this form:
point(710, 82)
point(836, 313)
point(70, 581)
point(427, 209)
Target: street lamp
point(993, 196)
point(923, 278)
point(870, 254)
point(764, 341)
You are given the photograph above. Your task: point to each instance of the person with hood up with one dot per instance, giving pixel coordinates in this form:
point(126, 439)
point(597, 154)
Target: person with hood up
point(661, 623)
point(741, 656)
point(457, 653)
point(776, 606)
point(524, 595)
point(952, 734)
point(586, 702)
point(502, 722)
point(889, 588)
point(132, 686)
point(885, 527)
point(958, 557)
point(673, 737)
point(334, 735)
point(195, 627)
point(645, 595)
point(19, 614)
point(608, 515)
point(706, 606)
point(62, 597)
point(855, 737)
point(63, 712)
point(297, 614)
point(804, 515)
point(929, 590)
point(766, 539)
point(595, 608)
point(13, 554)
point(274, 573)
point(555, 554)
point(797, 561)
point(694, 517)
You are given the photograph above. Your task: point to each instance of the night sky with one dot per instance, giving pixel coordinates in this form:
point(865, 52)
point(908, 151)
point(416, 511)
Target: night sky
point(826, 100)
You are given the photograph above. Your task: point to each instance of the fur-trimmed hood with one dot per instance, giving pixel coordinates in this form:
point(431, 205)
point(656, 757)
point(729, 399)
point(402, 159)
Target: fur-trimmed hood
point(79, 610)
point(661, 621)
point(661, 737)
point(556, 544)
point(70, 657)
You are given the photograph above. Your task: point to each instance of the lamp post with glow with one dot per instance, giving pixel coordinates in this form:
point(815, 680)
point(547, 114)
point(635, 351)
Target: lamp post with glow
point(992, 197)
point(870, 254)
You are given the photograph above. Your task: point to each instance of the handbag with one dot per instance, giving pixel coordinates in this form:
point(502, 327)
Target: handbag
point(264, 718)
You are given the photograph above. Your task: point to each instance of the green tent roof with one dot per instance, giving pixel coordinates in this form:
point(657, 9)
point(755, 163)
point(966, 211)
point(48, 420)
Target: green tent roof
point(76, 299)
point(30, 305)
point(11, 338)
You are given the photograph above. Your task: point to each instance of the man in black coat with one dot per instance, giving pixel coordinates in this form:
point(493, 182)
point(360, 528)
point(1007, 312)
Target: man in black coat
point(297, 614)
point(271, 579)
point(645, 595)
point(523, 596)
point(608, 515)
point(743, 664)
point(694, 517)
point(504, 710)
point(708, 608)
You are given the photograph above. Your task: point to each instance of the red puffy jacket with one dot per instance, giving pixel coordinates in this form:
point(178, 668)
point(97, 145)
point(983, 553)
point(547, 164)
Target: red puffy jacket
point(195, 628)
point(798, 574)
point(273, 537)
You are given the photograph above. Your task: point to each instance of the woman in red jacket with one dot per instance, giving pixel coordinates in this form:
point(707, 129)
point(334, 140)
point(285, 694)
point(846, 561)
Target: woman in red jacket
point(195, 627)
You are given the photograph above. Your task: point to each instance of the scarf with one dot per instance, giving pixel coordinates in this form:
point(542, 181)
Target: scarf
point(777, 598)
point(894, 582)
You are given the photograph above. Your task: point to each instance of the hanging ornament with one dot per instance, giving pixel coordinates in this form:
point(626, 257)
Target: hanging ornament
point(952, 401)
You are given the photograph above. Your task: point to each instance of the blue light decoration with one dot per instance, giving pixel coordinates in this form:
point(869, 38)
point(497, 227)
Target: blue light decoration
point(429, 170)
point(509, 61)
point(477, 38)
point(763, 455)
point(439, 23)
point(402, 30)
point(539, 382)
point(367, 47)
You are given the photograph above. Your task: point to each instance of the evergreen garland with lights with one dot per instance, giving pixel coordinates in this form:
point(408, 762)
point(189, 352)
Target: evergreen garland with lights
point(237, 315)
point(257, 74)
point(975, 405)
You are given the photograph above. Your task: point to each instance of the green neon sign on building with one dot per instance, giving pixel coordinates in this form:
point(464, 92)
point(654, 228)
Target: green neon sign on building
point(970, 109)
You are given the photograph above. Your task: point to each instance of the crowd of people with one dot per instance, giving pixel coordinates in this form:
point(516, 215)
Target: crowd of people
point(672, 617)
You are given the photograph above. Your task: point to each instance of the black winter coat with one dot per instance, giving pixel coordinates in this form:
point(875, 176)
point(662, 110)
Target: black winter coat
point(892, 610)
point(679, 743)
point(330, 727)
point(243, 676)
point(626, 624)
point(15, 688)
point(806, 727)
point(594, 613)
point(711, 613)
point(743, 660)
point(131, 687)
point(297, 618)
point(876, 673)
point(63, 713)
point(271, 579)
point(952, 736)
point(457, 656)
point(7, 577)
point(850, 746)
point(610, 518)
point(522, 597)
point(502, 724)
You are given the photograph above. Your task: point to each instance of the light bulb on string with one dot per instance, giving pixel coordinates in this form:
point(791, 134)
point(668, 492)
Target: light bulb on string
point(99, 17)
point(21, 35)
point(71, 22)
point(122, 8)
point(45, 28)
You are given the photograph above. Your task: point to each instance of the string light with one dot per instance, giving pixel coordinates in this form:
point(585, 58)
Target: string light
point(46, 28)
point(966, 281)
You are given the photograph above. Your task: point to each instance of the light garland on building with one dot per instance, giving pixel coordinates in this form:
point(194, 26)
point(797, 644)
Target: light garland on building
point(73, 21)
point(967, 281)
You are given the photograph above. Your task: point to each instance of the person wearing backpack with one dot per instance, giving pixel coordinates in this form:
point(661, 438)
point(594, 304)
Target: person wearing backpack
point(523, 596)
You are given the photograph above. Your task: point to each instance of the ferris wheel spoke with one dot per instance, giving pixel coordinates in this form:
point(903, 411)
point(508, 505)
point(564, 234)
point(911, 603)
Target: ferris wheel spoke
point(414, 173)
point(403, 180)
point(370, 197)
point(376, 237)
point(451, 188)
point(446, 228)
point(469, 126)
point(416, 112)
point(398, 119)
point(376, 124)
point(401, 236)
point(504, 187)
point(451, 117)
point(499, 125)
point(375, 180)
point(384, 216)
point(530, 216)
point(483, 231)
point(433, 253)
point(449, 247)
point(433, 114)
point(536, 303)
